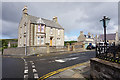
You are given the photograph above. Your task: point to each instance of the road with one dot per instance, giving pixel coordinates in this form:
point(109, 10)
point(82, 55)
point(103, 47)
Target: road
point(35, 67)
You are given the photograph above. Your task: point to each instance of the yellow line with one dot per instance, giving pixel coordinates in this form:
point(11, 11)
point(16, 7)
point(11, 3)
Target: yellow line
point(59, 70)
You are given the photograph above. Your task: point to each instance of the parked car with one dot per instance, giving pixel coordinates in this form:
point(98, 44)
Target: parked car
point(90, 47)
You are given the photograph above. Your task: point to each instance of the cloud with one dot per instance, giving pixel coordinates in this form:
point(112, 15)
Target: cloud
point(71, 38)
point(73, 16)
point(9, 30)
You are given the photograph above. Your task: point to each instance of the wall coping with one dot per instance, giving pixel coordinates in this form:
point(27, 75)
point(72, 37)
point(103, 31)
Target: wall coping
point(108, 63)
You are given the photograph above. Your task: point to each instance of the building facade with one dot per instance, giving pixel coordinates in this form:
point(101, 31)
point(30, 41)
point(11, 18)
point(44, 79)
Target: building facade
point(35, 31)
point(111, 38)
point(86, 39)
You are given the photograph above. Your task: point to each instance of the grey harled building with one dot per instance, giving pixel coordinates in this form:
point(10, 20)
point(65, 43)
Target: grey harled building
point(35, 31)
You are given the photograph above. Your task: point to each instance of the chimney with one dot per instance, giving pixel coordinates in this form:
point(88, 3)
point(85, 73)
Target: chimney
point(81, 32)
point(89, 34)
point(55, 19)
point(25, 10)
point(92, 36)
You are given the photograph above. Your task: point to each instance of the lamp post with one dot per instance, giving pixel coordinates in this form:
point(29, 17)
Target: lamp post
point(105, 21)
point(25, 40)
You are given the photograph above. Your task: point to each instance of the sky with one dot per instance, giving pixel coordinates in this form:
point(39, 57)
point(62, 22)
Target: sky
point(72, 16)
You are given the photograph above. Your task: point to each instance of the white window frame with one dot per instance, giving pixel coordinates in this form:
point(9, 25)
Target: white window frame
point(38, 40)
point(42, 40)
point(58, 32)
point(51, 31)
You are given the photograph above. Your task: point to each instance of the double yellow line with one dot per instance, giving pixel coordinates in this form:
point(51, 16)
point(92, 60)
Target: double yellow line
point(60, 70)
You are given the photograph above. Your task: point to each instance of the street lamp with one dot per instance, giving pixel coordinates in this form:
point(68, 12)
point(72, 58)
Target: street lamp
point(105, 21)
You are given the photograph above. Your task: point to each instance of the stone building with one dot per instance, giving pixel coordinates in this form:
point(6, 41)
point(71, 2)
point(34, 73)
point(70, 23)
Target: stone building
point(86, 39)
point(111, 38)
point(35, 31)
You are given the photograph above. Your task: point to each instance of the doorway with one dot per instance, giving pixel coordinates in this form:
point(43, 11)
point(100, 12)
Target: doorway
point(50, 41)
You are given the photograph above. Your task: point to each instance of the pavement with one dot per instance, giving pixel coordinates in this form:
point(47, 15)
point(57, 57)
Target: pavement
point(81, 72)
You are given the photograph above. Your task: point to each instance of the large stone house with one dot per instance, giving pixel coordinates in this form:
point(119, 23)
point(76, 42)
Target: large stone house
point(35, 31)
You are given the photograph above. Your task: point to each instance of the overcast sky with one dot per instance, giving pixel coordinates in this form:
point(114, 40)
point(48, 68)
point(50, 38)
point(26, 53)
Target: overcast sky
point(72, 16)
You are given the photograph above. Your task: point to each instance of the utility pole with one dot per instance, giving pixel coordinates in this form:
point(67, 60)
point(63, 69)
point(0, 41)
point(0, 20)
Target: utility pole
point(26, 40)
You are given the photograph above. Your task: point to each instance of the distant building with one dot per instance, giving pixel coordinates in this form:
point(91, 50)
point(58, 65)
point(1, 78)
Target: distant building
point(87, 39)
point(12, 44)
point(111, 38)
point(35, 31)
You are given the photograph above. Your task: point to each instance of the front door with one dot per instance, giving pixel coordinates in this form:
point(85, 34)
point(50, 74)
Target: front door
point(51, 41)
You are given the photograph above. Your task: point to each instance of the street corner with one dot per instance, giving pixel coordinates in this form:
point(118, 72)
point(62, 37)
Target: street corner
point(76, 71)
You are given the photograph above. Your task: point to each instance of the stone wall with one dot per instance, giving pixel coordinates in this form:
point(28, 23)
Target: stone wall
point(33, 50)
point(58, 49)
point(14, 51)
point(104, 70)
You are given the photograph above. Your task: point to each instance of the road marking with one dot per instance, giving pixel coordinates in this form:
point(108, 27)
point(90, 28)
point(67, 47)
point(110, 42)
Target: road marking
point(33, 66)
point(25, 64)
point(66, 59)
point(26, 67)
point(25, 76)
point(59, 60)
point(25, 71)
point(34, 70)
point(60, 70)
point(32, 63)
point(36, 75)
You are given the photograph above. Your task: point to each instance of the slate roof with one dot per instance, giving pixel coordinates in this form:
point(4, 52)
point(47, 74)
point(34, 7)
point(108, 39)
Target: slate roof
point(108, 36)
point(49, 23)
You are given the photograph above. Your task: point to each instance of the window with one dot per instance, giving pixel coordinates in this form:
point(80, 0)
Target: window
point(58, 32)
point(51, 31)
point(38, 40)
point(58, 41)
point(42, 40)
point(38, 28)
point(25, 26)
point(42, 28)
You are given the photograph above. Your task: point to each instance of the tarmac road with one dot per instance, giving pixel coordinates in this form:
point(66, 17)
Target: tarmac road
point(35, 67)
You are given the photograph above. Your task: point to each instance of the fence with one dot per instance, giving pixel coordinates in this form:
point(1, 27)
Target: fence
point(109, 53)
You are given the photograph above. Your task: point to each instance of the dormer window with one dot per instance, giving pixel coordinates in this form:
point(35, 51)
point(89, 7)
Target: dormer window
point(38, 28)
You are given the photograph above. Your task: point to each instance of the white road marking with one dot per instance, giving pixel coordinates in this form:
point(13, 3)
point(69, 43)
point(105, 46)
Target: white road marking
point(59, 60)
point(26, 67)
point(32, 63)
point(25, 76)
point(33, 66)
point(25, 64)
point(34, 70)
point(25, 71)
point(66, 59)
point(36, 75)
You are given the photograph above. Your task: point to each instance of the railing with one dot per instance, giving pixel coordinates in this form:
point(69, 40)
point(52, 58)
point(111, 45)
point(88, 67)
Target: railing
point(109, 53)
